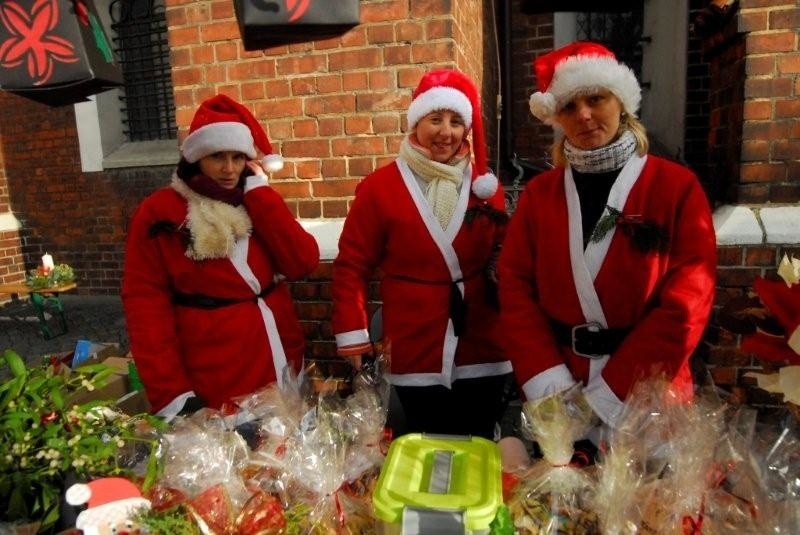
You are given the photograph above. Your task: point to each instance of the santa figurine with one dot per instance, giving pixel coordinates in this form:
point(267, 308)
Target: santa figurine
point(110, 501)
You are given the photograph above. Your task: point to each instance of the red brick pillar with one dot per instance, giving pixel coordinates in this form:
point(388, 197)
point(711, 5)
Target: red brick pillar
point(12, 268)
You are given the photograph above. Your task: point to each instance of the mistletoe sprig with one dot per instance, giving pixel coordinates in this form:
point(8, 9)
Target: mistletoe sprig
point(43, 436)
point(646, 236)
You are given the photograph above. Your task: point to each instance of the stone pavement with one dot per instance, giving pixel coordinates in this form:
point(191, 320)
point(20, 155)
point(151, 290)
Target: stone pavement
point(93, 318)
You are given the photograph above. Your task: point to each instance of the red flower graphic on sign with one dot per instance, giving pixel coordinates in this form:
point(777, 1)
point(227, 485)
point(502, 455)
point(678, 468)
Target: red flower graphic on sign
point(296, 8)
point(31, 41)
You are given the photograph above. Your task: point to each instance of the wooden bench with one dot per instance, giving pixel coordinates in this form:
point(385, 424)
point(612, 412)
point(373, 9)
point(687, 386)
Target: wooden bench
point(41, 298)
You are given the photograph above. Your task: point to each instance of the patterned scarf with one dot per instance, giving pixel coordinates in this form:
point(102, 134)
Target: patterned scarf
point(612, 156)
point(443, 179)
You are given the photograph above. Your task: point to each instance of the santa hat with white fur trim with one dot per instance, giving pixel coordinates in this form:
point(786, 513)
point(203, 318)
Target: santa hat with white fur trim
point(577, 68)
point(446, 89)
point(220, 124)
point(108, 500)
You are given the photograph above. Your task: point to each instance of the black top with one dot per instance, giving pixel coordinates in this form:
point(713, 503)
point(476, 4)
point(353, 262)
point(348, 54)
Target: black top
point(593, 190)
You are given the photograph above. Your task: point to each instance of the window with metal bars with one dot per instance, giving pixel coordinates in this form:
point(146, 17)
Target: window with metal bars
point(141, 45)
point(621, 32)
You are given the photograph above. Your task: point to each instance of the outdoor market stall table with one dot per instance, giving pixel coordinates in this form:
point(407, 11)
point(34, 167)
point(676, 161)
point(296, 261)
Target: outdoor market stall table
point(41, 298)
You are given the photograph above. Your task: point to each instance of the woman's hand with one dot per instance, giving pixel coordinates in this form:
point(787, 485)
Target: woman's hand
point(255, 167)
point(257, 179)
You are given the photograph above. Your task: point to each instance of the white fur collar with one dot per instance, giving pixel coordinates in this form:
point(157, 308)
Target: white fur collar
point(215, 226)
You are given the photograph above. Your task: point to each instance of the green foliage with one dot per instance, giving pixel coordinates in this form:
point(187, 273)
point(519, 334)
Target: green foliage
point(61, 274)
point(174, 521)
point(645, 236)
point(605, 224)
point(43, 436)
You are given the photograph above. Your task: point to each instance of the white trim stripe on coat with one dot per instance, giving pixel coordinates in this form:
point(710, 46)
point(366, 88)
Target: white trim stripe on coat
point(585, 267)
point(351, 338)
point(239, 260)
point(444, 241)
point(552, 380)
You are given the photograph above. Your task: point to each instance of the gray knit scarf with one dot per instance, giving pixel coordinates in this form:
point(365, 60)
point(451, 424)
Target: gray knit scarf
point(612, 156)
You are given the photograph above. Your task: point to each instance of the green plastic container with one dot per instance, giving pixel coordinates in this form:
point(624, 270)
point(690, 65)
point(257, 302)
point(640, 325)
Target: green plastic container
point(437, 478)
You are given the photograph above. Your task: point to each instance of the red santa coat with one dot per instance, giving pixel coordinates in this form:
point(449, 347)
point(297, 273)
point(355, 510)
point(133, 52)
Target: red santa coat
point(222, 352)
point(665, 298)
point(391, 226)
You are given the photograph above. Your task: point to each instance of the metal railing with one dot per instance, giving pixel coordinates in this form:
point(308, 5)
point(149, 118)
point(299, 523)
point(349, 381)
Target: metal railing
point(525, 171)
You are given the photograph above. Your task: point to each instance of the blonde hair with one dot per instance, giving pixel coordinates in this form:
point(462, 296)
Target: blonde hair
point(627, 122)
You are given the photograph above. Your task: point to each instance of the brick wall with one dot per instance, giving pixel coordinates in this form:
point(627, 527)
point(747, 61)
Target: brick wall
point(79, 218)
point(532, 35)
point(335, 109)
point(754, 153)
point(313, 303)
point(770, 168)
point(12, 268)
point(726, 364)
point(696, 137)
point(725, 52)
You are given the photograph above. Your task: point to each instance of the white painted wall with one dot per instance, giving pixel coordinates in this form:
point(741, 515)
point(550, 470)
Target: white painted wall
point(663, 111)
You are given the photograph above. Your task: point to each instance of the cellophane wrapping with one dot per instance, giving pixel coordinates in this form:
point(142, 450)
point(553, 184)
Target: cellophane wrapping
point(555, 496)
point(682, 467)
point(288, 460)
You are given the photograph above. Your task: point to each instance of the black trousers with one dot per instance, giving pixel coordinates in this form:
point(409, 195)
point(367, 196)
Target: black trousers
point(470, 407)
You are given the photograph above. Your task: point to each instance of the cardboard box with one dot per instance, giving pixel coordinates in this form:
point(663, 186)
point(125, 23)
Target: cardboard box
point(117, 388)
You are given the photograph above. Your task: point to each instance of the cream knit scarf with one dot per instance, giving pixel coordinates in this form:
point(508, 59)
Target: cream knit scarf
point(443, 179)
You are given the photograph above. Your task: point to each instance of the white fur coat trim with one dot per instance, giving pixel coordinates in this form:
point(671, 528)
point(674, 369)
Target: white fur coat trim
point(214, 226)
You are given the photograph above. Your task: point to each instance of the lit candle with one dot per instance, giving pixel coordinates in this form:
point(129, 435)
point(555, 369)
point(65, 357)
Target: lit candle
point(47, 262)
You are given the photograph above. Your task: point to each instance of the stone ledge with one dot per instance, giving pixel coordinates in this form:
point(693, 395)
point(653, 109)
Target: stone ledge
point(781, 223)
point(143, 154)
point(757, 225)
point(8, 222)
point(326, 232)
point(734, 225)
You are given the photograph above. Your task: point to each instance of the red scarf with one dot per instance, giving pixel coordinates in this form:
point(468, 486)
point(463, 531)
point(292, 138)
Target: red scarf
point(207, 187)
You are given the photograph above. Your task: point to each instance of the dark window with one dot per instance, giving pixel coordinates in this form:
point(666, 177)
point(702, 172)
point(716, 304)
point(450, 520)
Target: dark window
point(141, 44)
point(620, 32)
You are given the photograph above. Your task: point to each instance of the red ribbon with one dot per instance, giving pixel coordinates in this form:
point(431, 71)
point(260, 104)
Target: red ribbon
point(339, 510)
point(633, 219)
point(82, 12)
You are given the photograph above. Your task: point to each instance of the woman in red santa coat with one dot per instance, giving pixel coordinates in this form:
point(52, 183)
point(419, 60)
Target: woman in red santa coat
point(432, 222)
point(607, 271)
point(209, 316)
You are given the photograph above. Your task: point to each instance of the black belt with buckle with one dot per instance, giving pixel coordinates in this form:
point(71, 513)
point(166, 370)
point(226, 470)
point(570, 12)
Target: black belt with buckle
point(589, 340)
point(209, 302)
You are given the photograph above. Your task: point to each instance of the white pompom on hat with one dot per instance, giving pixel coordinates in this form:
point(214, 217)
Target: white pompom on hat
point(447, 89)
point(576, 68)
point(220, 124)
